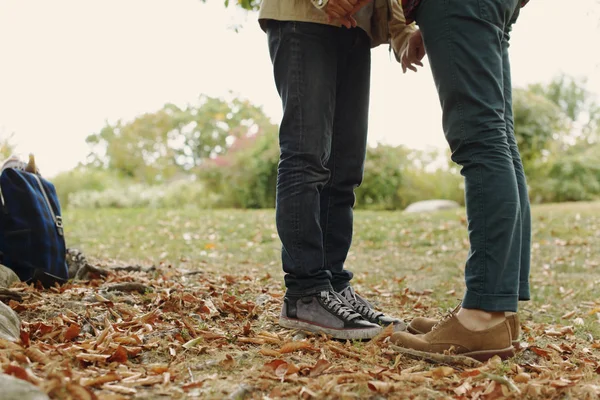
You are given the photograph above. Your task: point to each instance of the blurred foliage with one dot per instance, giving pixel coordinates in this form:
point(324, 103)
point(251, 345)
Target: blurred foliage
point(245, 4)
point(224, 154)
point(172, 141)
point(246, 177)
point(83, 179)
point(6, 146)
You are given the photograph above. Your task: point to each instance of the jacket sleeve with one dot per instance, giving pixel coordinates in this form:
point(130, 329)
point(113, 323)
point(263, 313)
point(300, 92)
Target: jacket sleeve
point(399, 31)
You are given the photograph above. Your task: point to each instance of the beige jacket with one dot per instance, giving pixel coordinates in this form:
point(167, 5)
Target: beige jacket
point(387, 24)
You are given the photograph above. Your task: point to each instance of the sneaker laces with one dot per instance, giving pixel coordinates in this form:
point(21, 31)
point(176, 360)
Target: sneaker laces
point(331, 301)
point(350, 295)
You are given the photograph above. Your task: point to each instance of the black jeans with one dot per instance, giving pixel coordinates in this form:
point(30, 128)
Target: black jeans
point(467, 46)
point(322, 74)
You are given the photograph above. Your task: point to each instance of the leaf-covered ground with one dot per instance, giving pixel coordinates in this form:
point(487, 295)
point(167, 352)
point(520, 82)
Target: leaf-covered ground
point(197, 317)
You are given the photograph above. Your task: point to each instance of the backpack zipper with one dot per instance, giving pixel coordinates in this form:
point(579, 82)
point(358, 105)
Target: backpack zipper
point(57, 218)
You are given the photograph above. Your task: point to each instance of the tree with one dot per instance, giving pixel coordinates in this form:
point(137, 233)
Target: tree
point(6, 146)
point(245, 4)
point(576, 102)
point(156, 146)
point(539, 124)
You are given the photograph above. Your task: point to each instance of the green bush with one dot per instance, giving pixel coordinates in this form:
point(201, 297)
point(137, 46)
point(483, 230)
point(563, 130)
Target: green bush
point(383, 177)
point(573, 176)
point(247, 176)
point(178, 194)
point(83, 179)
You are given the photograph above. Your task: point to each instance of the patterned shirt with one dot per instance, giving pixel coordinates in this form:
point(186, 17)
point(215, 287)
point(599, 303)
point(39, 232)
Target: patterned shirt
point(410, 6)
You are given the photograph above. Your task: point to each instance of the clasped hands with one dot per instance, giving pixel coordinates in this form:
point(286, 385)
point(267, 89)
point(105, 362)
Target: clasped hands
point(344, 10)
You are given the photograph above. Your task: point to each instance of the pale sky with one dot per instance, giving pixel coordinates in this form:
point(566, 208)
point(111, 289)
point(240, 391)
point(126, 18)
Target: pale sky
point(68, 66)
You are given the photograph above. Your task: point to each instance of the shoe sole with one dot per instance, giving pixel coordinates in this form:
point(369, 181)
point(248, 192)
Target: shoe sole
point(345, 334)
point(414, 331)
point(484, 355)
point(481, 355)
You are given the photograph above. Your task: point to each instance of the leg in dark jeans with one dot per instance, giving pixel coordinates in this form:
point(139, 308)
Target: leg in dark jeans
point(466, 42)
point(348, 148)
point(523, 239)
point(467, 45)
point(314, 65)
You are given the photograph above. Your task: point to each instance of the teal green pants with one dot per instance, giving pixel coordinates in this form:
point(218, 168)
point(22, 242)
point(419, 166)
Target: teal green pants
point(467, 46)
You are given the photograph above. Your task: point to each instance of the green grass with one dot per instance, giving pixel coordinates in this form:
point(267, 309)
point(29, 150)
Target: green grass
point(408, 265)
point(391, 251)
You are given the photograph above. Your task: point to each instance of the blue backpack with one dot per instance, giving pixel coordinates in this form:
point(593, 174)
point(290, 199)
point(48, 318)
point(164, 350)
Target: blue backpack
point(32, 241)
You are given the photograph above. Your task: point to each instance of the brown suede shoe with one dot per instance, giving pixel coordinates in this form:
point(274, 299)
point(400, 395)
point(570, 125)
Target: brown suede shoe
point(450, 335)
point(422, 325)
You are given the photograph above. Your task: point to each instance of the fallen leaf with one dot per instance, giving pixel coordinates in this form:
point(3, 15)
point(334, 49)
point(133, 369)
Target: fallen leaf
point(72, 332)
point(442, 372)
point(119, 356)
point(269, 352)
point(99, 380)
point(79, 392)
point(228, 362)
point(381, 387)
point(463, 389)
point(561, 383)
point(193, 343)
point(319, 367)
point(291, 347)
point(522, 377)
point(16, 371)
point(273, 365)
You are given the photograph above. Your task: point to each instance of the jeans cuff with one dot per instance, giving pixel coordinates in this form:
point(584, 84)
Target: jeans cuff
point(524, 294)
point(491, 302)
point(309, 292)
point(338, 288)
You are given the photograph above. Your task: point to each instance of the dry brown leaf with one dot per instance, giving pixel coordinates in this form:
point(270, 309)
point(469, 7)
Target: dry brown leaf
point(37, 356)
point(271, 366)
point(561, 383)
point(119, 389)
point(89, 357)
point(441, 372)
point(102, 379)
point(5, 344)
point(343, 352)
point(147, 381)
point(71, 333)
point(269, 352)
point(158, 368)
point(25, 339)
point(291, 347)
point(228, 362)
point(286, 369)
point(78, 392)
point(541, 352)
point(251, 340)
point(16, 371)
point(119, 356)
point(463, 389)
point(382, 387)
point(319, 367)
point(567, 330)
point(522, 377)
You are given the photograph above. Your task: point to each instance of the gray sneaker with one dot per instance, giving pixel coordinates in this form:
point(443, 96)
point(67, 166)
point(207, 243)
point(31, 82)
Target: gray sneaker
point(364, 308)
point(326, 312)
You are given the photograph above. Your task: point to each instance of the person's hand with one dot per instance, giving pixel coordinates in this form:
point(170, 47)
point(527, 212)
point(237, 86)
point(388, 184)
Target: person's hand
point(413, 53)
point(343, 11)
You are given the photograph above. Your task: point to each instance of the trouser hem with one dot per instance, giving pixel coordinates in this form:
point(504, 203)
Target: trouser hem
point(308, 292)
point(491, 303)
